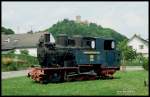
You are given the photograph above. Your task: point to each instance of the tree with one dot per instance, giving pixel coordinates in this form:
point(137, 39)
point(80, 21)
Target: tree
point(70, 28)
point(127, 53)
point(7, 31)
point(145, 63)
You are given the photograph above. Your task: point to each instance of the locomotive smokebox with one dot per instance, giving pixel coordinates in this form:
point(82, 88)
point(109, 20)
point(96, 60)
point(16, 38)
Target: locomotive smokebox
point(62, 39)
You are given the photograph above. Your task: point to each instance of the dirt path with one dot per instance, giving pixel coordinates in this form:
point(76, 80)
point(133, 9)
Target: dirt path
point(133, 68)
point(11, 74)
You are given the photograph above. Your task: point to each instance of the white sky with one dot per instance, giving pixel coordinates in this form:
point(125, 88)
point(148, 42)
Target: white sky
point(126, 18)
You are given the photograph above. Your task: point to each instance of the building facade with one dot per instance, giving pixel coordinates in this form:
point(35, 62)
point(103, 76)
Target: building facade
point(140, 45)
point(18, 42)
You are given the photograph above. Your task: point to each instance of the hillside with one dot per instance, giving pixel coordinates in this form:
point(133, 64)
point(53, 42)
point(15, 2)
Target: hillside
point(71, 27)
point(6, 31)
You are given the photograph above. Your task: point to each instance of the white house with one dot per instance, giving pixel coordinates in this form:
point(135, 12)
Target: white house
point(18, 42)
point(139, 44)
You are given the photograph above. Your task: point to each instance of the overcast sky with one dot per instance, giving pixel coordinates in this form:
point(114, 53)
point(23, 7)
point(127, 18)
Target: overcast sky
point(126, 18)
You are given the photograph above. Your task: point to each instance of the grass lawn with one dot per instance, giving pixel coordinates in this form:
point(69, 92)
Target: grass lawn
point(125, 83)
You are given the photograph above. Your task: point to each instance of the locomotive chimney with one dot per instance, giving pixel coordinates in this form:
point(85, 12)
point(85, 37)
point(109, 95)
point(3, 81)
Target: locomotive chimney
point(46, 37)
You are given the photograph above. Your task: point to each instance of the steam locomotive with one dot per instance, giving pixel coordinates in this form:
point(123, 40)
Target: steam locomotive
point(75, 58)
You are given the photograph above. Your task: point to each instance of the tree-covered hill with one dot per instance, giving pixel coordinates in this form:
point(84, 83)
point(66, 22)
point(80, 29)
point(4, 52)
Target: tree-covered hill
point(6, 31)
point(71, 27)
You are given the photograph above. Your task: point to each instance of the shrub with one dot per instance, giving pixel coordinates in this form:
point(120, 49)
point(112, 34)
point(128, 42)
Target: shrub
point(12, 52)
point(17, 61)
point(7, 60)
point(25, 52)
point(12, 67)
point(138, 61)
point(145, 63)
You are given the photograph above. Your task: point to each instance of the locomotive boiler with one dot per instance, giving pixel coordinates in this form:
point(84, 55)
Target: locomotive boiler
point(75, 58)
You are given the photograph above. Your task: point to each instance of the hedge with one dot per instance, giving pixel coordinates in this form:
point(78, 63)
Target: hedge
point(17, 61)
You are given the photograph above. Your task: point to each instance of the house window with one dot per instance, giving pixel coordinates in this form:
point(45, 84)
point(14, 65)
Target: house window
point(141, 46)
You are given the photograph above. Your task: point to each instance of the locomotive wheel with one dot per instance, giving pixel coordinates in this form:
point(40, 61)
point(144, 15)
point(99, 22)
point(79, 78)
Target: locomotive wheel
point(44, 82)
point(55, 78)
point(28, 75)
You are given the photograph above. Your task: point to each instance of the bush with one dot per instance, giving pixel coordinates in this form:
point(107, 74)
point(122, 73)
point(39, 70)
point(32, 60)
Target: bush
point(145, 63)
point(17, 62)
point(25, 52)
point(138, 61)
point(7, 60)
point(12, 67)
point(12, 52)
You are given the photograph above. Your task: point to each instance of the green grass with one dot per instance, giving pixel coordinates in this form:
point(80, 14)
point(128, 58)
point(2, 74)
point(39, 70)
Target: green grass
point(126, 83)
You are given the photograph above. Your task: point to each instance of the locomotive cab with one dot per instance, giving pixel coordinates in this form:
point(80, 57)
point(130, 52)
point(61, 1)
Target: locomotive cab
point(112, 56)
point(89, 42)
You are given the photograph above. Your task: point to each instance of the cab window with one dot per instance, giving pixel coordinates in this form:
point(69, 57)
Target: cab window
point(109, 45)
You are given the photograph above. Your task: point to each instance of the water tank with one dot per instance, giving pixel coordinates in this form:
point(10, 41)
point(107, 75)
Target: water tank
point(78, 40)
point(62, 39)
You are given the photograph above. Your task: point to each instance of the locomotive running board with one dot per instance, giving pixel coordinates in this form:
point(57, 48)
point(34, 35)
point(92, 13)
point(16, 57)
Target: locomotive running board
point(81, 76)
point(68, 73)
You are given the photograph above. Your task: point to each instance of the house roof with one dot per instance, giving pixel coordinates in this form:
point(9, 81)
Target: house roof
point(141, 39)
point(27, 40)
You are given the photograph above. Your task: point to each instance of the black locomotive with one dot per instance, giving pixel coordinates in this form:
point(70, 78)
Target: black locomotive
point(74, 57)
